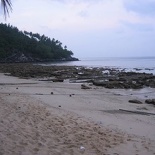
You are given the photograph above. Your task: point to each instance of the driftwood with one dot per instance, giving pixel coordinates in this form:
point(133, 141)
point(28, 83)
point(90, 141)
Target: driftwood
point(137, 112)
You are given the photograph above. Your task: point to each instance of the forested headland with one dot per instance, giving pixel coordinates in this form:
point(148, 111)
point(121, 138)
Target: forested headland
point(23, 46)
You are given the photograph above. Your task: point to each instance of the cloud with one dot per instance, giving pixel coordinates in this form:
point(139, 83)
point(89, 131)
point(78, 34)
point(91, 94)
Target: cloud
point(143, 7)
point(90, 26)
point(83, 14)
point(76, 14)
point(79, 15)
point(139, 27)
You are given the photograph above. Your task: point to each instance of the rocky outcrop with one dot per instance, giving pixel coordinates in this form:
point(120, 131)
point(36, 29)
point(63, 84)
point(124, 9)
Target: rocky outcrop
point(126, 80)
point(150, 101)
point(18, 57)
point(135, 101)
point(83, 86)
point(104, 77)
point(25, 58)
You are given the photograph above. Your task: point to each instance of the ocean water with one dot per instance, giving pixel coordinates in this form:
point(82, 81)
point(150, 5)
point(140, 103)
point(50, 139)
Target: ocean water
point(139, 64)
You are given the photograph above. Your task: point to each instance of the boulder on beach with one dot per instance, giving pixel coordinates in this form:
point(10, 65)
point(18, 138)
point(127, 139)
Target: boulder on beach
point(83, 86)
point(150, 101)
point(57, 80)
point(135, 101)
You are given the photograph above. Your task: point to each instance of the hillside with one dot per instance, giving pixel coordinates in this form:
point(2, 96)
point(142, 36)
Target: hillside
point(18, 46)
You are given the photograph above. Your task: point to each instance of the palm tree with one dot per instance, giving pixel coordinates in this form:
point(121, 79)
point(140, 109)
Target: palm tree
point(7, 6)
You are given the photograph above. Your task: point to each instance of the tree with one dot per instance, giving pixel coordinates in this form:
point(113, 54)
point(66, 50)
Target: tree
point(39, 47)
point(7, 6)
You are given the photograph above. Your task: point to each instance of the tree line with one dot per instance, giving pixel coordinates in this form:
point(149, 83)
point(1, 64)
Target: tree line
point(13, 41)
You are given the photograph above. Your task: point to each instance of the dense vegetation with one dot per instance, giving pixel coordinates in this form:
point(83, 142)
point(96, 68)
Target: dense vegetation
point(33, 46)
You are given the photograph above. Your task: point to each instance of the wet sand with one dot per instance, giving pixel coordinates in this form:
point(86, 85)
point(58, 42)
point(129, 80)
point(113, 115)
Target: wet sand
point(42, 117)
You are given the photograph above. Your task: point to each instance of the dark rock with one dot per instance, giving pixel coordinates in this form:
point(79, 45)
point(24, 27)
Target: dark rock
point(115, 79)
point(59, 106)
point(99, 83)
point(83, 86)
point(135, 101)
point(19, 57)
point(150, 101)
point(57, 80)
point(122, 79)
point(137, 69)
point(52, 93)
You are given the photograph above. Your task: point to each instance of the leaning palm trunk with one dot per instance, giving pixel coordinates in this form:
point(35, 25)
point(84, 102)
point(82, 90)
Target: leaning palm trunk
point(7, 6)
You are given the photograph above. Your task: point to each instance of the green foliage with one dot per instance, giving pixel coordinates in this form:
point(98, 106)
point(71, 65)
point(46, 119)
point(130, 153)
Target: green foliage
point(13, 41)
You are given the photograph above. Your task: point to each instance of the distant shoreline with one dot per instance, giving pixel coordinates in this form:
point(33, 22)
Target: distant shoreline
point(40, 61)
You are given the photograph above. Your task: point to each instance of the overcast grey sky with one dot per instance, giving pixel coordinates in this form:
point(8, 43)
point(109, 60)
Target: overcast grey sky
point(91, 28)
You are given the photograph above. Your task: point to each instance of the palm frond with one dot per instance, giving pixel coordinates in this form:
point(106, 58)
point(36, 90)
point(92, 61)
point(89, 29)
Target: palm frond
point(7, 6)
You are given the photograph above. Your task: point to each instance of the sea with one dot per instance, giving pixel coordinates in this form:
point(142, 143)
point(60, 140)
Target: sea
point(136, 64)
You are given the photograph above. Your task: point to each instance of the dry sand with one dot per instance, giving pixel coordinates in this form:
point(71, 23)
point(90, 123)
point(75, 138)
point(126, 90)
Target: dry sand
point(34, 121)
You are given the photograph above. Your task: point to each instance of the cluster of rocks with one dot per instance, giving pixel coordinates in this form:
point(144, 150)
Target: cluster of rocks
point(127, 80)
point(111, 78)
point(18, 57)
point(148, 101)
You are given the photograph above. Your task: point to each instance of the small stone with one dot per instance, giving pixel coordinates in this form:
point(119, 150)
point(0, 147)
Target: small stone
point(52, 93)
point(57, 80)
point(36, 149)
point(17, 88)
point(135, 101)
point(83, 86)
point(47, 114)
point(59, 106)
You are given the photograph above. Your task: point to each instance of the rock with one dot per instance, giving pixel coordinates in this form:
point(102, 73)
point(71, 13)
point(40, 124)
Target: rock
point(57, 80)
point(52, 93)
point(83, 86)
point(150, 101)
point(99, 83)
point(19, 57)
point(135, 101)
point(115, 79)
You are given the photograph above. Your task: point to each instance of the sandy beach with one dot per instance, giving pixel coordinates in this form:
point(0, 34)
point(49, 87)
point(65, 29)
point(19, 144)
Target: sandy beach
point(48, 118)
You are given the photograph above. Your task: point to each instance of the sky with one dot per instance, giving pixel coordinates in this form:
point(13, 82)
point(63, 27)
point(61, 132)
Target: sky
point(91, 28)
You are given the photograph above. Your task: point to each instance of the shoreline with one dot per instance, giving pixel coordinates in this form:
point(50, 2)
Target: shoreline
point(36, 121)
